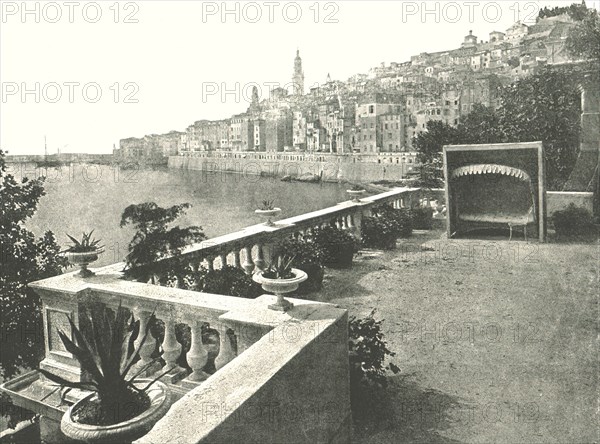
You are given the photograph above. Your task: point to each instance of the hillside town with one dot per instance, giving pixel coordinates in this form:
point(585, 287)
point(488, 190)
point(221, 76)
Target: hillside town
point(374, 113)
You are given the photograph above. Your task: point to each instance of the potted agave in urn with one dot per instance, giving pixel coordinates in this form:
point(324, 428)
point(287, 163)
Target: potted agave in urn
point(280, 279)
point(83, 252)
point(120, 408)
point(268, 211)
point(355, 192)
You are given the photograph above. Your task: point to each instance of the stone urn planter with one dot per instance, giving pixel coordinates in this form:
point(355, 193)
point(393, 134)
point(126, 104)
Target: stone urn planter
point(83, 259)
point(280, 287)
point(355, 194)
point(123, 432)
point(268, 214)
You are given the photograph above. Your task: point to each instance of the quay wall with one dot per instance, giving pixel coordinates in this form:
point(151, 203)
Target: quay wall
point(330, 171)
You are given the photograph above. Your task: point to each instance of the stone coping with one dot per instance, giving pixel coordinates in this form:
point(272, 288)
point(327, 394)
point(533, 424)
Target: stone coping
point(193, 417)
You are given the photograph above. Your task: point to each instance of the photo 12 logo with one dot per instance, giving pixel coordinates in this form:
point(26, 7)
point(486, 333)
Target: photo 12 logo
point(269, 12)
point(69, 12)
point(454, 12)
point(71, 92)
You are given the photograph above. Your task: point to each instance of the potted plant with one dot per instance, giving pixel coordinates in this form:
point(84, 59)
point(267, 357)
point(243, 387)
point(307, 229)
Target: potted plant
point(379, 232)
point(309, 257)
point(339, 246)
point(120, 408)
point(268, 210)
point(83, 252)
point(280, 278)
point(422, 217)
point(355, 192)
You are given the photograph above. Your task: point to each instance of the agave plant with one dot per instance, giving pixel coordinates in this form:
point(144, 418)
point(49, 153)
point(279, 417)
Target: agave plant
point(282, 269)
point(85, 245)
point(105, 355)
point(267, 205)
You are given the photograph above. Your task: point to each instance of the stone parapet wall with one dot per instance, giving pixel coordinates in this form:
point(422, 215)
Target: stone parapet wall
point(329, 171)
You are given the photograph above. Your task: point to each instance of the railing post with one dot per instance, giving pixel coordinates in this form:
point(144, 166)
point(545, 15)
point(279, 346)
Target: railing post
point(226, 352)
point(146, 350)
point(260, 259)
point(248, 263)
point(197, 356)
point(171, 352)
point(236, 259)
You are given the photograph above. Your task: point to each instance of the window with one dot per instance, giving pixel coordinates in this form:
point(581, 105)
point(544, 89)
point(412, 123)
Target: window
point(371, 109)
point(389, 135)
point(456, 102)
point(390, 147)
point(372, 125)
point(386, 126)
point(447, 102)
point(370, 136)
point(439, 112)
point(397, 125)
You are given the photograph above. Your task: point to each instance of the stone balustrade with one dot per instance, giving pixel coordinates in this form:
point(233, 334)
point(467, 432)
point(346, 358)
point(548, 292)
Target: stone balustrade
point(249, 249)
point(261, 388)
point(247, 377)
point(177, 309)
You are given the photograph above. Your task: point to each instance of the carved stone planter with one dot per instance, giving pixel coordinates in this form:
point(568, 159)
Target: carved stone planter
point(355, 194)
point(268, 214)
point(279, 287)
point(123, 432)
point(83, 260)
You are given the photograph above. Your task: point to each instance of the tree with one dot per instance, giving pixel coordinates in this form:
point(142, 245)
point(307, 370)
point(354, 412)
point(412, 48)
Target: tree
point(152, 240)
point(545, 107)
point(481, 125)
point(429, 144)
point(23, 259)
point(575, 11)
point(583, 41)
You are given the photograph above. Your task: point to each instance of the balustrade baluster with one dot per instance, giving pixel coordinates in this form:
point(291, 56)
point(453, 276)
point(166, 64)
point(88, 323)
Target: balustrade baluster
point(226, 352)
point(248, 263)
point(260, 259)
point(197, 356)
point(171, 352)
point(145, 350)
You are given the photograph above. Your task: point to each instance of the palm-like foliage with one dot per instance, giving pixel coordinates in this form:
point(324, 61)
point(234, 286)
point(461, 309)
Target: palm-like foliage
point(267, 205)
point(104, 354)
point(86, 244)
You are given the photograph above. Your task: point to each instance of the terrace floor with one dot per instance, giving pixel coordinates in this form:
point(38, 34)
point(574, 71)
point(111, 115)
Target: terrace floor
point(497, 340)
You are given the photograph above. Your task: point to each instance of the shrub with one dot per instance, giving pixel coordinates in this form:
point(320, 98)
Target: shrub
point(338, 245)
point(367, 354)
point(572, 221)
point(388, 224)
point(422, 218)
point(309, 257)
point(379, 232)
point(230, 281)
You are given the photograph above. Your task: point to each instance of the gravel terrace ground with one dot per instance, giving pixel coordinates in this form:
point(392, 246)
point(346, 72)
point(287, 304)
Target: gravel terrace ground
point(497, 340)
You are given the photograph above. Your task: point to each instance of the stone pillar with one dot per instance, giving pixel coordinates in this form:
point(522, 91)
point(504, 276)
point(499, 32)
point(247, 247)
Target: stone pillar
point(590, 117)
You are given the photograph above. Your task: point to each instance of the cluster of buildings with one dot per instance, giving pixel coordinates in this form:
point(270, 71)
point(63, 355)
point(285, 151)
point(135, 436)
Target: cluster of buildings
point(378, 112)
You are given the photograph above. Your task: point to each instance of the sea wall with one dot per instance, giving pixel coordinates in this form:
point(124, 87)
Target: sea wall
point(330, 171)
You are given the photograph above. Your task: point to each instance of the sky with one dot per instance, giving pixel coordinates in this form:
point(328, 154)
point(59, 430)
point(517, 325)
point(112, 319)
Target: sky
point(85, 74)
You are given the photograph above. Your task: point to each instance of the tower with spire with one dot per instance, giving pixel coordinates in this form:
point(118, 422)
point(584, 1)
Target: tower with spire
point(298, 78)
